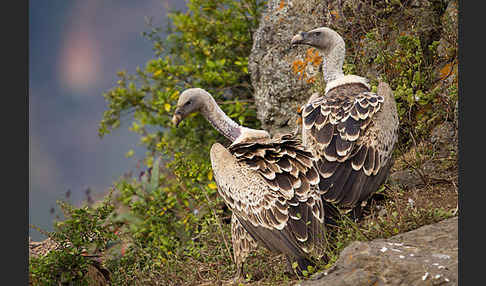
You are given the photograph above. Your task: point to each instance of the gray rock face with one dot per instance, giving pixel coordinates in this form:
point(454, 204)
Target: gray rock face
point(273, 64)
point(425, 256)
point(444, 136)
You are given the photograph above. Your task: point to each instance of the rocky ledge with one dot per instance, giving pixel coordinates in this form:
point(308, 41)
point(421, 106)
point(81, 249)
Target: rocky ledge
point(425, 256)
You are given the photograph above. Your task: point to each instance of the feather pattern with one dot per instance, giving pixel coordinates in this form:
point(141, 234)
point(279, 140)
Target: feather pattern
point(351, 132)
point(243, 242)
point(272, 188)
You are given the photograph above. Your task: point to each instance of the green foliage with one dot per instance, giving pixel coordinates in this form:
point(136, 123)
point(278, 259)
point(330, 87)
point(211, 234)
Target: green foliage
point(399, 45)
point(85, 230)
point(166, 217)
point(207, 47)
point(64, 266)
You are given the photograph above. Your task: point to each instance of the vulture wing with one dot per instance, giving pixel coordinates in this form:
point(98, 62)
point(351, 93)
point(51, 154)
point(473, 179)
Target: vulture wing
point(271, 187)
point(353, 138)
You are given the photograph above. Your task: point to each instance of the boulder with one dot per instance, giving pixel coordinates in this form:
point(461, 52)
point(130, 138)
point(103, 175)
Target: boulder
point(405, 178)
point(425, 256)
point(281, 75)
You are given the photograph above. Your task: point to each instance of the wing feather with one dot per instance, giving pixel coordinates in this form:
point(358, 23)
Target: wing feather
point(271, 187)
point(243, 242)
point(348, 158)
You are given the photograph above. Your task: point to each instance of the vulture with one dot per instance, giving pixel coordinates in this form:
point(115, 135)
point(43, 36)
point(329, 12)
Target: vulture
point(269, 184)
point(350, 130)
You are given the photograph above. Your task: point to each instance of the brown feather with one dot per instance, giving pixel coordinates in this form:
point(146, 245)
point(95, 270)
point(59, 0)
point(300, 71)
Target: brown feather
point(311, 117)
point(352, 129)
point(370, 161)
point(342, 146)
point(330, 151)
point(326, 169)
point(284, 163)
point(359, 158)
point(325, 134)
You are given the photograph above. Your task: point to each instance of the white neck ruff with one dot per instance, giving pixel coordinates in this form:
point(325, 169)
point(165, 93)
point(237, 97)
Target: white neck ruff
point(345, 80)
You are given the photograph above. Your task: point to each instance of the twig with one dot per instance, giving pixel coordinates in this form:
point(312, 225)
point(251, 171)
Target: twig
point(457, 204)
point(40, 230)
point(440, 180)
point(417, 170)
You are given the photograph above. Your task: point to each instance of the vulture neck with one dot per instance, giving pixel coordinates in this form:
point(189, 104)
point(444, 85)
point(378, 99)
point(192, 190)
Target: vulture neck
point(333, 67)
point(332, 64)
point(226, 126)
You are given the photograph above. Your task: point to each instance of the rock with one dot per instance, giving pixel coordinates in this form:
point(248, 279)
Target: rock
point(406, 178)
point(446, 70)
point(449, 33)
point(444, 138)
point(443, 133)
point(279, 88)
point(425, 256)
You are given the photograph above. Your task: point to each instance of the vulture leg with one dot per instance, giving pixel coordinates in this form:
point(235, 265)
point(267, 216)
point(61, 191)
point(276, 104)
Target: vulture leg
point(243, 244)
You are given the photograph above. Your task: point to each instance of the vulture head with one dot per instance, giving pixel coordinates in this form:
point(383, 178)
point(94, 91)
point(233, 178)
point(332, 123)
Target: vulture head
point(190, 101)
point(194, 100)
point(323, 38)
point(332, 47)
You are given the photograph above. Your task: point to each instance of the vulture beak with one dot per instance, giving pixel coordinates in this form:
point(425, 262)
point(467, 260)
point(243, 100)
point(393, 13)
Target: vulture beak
point(177, 118)
point(298, 39)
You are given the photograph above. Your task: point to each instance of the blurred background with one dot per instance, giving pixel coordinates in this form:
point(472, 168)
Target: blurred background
point(75, 49)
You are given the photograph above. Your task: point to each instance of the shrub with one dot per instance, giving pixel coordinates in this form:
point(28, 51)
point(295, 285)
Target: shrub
point(85, 230)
